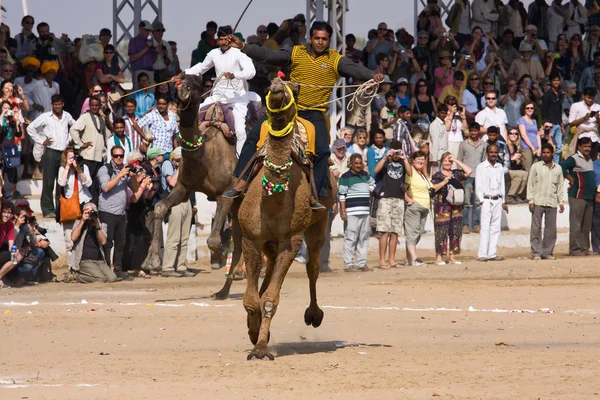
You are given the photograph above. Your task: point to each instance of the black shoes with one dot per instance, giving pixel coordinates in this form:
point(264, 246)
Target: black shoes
point(123, 276)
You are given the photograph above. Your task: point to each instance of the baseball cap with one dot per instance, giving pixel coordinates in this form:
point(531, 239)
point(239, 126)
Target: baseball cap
point(338, 143)
point(154, 152)
point(23, 203)
point(386, 79)
point(176, 153)
point(401, 80)
point(530, 27)
point(158, 26)
point(145, 24)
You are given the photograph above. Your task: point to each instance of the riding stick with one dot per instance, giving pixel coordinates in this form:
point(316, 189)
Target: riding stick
point(242, 16)
point(115, 97)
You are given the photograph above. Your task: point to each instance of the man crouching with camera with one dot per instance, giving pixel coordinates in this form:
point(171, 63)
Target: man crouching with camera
point(87, 258)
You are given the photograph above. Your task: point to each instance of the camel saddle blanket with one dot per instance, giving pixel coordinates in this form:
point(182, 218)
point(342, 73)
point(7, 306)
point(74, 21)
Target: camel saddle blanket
point(303, 144)
point(219, 115)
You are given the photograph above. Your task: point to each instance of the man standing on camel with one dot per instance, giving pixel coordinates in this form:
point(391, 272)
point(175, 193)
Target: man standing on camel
point(316, 68)
point(234, 69)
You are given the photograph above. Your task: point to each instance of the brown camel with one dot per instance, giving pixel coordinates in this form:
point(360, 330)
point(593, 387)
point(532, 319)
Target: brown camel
point(275, 223)
point(206, 167)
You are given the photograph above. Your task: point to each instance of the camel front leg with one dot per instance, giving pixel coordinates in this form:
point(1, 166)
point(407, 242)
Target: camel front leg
point(177, 195)
point(236, 264)
point(251, 297)
point(315, 238)
point(214, 240)
point(270, 299)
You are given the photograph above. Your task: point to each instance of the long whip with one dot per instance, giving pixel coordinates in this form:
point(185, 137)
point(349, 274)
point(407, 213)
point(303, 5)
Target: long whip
point(242, 16)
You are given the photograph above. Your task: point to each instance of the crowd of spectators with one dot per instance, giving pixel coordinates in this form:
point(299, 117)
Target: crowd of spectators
point(494, 91)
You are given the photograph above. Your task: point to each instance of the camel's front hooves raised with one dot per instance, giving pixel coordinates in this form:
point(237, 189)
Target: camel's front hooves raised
point(264, 355)
point(313, 316)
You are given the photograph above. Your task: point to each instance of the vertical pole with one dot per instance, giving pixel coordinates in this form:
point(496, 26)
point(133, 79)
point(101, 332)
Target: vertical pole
point(319, 8)
point(416, 14)
point(25, 7)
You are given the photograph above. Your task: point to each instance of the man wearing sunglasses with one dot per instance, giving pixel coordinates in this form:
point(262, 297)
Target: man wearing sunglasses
point(25, 37)
point(492, 115)
point(114, 178)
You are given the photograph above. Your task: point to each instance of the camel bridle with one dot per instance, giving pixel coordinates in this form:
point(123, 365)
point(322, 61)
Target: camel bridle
point(292, 102)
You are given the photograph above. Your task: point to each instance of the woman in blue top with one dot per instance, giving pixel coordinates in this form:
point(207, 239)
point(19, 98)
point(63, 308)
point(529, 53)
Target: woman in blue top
point(531, 141)
point(402, 95)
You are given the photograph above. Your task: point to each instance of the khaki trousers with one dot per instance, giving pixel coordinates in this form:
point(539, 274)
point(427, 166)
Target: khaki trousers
point(178, 233)
point(518, 182)
point(94, 271)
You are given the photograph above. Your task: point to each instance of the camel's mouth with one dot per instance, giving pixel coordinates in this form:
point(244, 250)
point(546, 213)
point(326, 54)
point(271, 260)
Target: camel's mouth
point(184, 92)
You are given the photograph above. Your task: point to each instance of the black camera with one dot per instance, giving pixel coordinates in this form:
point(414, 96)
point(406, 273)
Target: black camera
point(547, 130)
point(106, 111)
point(155, 179)
point(459, 108)
point(50, 253)
point(78, 157)
point(31, 220)
point(94, 215)
point(593, 114)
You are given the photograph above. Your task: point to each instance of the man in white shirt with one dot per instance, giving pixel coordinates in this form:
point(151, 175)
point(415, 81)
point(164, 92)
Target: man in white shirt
point(234, 69)
point(584, 116)
point(45, 88)
point(119, 139)
point(51, 131)
point(491, 115)
point(489, 176)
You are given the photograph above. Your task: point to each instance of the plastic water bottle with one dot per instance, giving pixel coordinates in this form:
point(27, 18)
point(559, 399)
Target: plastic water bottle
point(13, 254)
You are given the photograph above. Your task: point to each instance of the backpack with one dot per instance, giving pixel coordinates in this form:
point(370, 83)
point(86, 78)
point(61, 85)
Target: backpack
point(455, 196)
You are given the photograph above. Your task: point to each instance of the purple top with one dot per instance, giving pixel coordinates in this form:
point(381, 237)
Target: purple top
point(532, 131)
point(135, 46)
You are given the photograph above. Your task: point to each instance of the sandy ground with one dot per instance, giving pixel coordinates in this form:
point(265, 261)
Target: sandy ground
point(430, 332)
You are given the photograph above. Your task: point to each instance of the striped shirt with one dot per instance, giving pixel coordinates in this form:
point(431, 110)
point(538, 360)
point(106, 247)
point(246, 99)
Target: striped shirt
point(582, 172)
point(321, 71)
point(355, 190)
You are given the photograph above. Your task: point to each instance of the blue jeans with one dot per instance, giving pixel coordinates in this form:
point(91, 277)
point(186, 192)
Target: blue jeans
point(557, 137)
point(29, 272)
point(471, 201)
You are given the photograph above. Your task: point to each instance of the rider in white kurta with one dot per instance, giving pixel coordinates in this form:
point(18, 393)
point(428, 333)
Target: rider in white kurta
point(235, 69)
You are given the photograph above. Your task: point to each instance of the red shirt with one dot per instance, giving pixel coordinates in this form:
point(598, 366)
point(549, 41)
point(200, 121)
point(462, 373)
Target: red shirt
point(7, 232)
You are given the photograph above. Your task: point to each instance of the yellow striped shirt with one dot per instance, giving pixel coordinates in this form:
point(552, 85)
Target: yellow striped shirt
point(322, 70)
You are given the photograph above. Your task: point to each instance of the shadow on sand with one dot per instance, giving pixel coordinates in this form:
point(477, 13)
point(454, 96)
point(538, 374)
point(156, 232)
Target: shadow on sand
point(306, 347)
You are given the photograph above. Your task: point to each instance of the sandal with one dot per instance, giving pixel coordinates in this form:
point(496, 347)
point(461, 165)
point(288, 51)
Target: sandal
point(441, 263)
point(384, 266)
point(396, 265)
point(454, 262)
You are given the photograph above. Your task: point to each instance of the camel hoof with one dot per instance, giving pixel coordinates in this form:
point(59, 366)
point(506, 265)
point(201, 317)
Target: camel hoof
point(313, 317)
point(216, 266)
point(220, 295)
point(260, 355)
point(152, 262)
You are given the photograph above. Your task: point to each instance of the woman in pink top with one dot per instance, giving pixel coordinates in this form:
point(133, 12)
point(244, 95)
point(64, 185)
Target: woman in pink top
point(444, 74)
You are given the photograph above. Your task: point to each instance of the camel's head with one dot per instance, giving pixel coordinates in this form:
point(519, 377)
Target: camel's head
point(191, 87)
point(280, 95)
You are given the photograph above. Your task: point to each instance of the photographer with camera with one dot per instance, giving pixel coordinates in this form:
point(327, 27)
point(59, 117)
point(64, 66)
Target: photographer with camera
point(391, 171)
point(10, 129)
point(71, 171)
point(583, 116)
point(7, 238)
point(31, 244)
point(89, 239)
point(114, 178)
